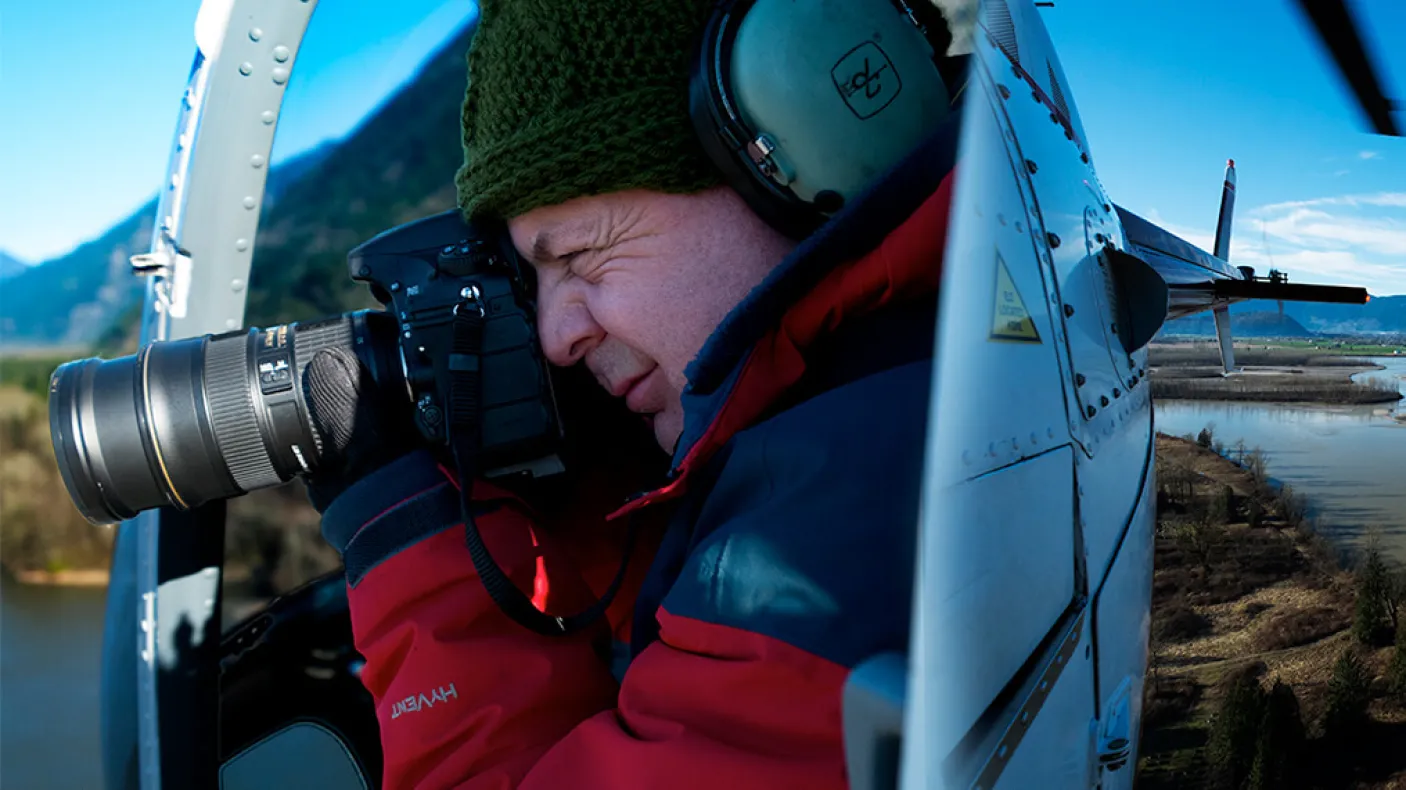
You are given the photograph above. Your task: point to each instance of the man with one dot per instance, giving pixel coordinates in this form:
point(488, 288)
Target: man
point(787, 380)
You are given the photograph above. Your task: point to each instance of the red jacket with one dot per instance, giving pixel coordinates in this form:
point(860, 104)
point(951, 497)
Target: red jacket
point(788, 557)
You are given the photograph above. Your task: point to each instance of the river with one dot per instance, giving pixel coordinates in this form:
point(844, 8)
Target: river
point(1350, 461)
point(50, 659)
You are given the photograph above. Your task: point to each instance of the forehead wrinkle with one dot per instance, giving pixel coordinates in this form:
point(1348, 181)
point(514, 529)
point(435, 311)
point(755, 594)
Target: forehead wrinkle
point(628, 223)
point(555, 239)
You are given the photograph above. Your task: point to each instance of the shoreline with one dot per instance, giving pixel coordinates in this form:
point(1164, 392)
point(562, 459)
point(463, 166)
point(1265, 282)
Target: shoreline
point(92, 577)
point(1244, 586)
point(1327, 385)
point(69, 577)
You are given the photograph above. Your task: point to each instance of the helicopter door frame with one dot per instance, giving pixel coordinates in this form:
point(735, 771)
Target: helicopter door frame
point(161, 700)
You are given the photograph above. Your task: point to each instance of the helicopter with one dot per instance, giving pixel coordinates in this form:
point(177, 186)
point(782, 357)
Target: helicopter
point(1032, 601)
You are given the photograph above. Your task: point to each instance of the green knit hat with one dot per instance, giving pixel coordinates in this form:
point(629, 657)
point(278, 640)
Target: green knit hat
point(579, 97)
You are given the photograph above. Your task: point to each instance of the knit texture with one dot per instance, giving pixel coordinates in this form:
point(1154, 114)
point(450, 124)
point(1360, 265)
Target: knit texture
point(568, 98)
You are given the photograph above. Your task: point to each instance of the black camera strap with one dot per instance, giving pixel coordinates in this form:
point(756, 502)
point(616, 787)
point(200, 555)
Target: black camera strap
point(465, 400)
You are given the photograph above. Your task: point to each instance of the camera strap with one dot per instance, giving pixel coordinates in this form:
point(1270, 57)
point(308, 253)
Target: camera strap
point(465, 426)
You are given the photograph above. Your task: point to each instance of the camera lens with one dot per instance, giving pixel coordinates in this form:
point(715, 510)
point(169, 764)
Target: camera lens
point(189, 421)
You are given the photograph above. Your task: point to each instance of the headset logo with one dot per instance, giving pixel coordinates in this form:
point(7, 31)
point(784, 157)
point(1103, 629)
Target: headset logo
point(866, 80)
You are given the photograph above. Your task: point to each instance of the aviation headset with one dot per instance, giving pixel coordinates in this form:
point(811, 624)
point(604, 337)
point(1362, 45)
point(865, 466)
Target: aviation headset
point(802, 105)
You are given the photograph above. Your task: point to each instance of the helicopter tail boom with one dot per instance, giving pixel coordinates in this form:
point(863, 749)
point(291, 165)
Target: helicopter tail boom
point(1198, 280)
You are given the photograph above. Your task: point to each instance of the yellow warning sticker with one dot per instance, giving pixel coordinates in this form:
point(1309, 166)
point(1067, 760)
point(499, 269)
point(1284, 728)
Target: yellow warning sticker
point(1010, 320)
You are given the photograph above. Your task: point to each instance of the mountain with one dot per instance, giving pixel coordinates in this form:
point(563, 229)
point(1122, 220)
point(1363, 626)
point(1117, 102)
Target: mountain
point(1381, 315)
point(398, 165)
point(290, 171)
point(73, 298)
point(10, 265)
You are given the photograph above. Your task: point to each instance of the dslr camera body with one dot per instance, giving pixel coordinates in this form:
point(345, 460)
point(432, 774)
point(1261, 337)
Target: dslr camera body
point(434, 273)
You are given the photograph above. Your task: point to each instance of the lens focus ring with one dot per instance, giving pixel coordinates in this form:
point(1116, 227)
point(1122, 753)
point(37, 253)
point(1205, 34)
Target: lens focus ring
point(232, 412)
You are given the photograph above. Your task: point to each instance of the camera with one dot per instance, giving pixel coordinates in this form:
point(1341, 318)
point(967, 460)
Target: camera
point(186, 422)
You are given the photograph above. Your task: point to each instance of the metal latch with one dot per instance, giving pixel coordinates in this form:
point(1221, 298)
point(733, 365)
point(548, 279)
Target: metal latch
point(169, 262)
point(1115, 745)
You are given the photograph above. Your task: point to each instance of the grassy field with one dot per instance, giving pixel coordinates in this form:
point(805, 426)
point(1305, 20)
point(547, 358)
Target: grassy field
point(1286, 388)
point(1272, 374)
point(1342, 347)
point(31, 372)
point(1250, 356)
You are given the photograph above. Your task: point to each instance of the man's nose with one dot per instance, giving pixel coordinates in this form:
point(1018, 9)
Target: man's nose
point(565, 326)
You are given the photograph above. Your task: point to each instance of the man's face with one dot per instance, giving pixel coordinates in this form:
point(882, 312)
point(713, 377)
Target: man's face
point(634, 282)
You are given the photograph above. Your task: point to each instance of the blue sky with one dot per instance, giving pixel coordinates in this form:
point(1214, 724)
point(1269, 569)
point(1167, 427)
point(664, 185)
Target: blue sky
point(1169, 91)
point(89, 93)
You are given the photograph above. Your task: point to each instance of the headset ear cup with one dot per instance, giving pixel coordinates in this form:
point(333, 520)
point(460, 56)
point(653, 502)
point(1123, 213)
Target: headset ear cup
point(741, 177)
point(724, 137)
point(835, 92)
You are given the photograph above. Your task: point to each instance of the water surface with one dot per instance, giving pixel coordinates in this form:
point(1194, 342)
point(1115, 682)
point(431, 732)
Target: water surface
point(1349, 460)
point(50, 659)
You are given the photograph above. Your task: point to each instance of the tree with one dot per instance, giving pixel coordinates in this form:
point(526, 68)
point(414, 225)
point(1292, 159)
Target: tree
point(1293, 506)
point(1396, 670)
point(1178, 483)
point(1280, 742)
point(1348, 693)
point(1197, 537)
point(1224, 505)
point(1257, 466)
point(1207, 436)
point(1379, 594)
point(1234, 734)
point(1254, 512)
